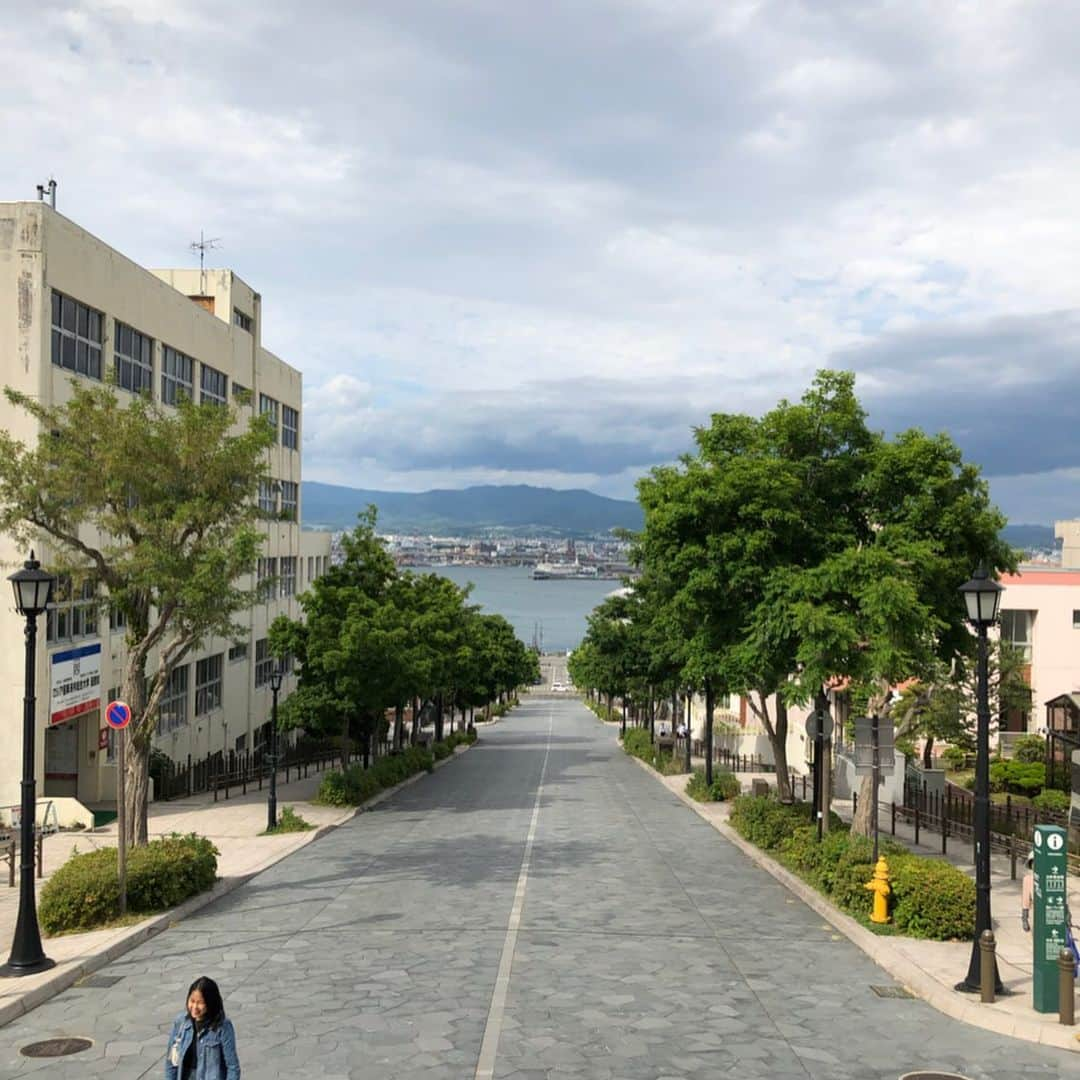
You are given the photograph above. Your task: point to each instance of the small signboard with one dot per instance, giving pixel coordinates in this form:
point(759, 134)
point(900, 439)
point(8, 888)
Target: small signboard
point(118, 715)
point(1048, 935)
point(75, 682)
point(864, 746)
point(822, 718)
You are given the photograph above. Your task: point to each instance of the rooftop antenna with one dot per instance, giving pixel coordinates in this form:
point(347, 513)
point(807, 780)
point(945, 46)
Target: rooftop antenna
point(51, 188)
point(202, 246)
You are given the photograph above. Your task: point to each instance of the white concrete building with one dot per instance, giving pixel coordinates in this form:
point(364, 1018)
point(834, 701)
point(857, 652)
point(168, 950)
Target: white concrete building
point(71, 306)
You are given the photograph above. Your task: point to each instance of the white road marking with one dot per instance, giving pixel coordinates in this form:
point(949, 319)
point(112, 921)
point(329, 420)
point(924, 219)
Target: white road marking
point(485, 1066)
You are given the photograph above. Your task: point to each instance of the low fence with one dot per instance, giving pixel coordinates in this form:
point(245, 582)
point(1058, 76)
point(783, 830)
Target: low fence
point(727, 759)
point(10, 835)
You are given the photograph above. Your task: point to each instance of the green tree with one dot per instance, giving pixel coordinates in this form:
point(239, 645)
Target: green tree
point(158, 508)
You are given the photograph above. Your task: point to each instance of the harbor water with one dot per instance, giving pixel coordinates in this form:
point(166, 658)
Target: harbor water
point(553, 611)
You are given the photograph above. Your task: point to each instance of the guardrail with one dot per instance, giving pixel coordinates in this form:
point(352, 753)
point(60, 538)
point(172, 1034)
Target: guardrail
point(10, 834)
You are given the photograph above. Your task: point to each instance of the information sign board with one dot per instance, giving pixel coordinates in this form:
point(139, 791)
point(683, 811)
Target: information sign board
point(1048, 926)
point(864, 746)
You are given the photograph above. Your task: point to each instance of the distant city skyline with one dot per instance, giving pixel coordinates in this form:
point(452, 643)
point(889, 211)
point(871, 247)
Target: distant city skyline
point(540, 243)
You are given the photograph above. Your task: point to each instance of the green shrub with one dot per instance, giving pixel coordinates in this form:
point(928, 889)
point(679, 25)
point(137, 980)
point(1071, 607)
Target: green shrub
point(440, 750)
point(955, 757)
point(1018, 777)
point(725, 786)
point(931, 898)
point(1030, 749)
point(290, 821)
point(636, 741)
point(355, 785)
point(667, 764)
point(1052, 801)
point(85, 893)
point(766, 822)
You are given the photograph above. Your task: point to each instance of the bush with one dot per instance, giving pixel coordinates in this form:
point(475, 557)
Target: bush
point(1052, 801)
point(1030, 749)
point(931, 899)
point(765, 822)
point(355, 785)
point(955, 757)
point(290, 821)
point(85, 892)
point(725, 786)
point(1018, 777)
point(636, 742)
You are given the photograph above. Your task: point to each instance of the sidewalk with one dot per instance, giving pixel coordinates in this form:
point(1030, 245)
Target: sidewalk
point(233, 826)
point(929, 969)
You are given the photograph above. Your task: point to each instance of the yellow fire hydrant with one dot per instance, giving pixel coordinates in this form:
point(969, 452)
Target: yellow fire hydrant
point(880, 888)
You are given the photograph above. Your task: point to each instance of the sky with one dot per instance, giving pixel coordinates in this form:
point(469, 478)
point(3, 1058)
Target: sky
point(511, 242)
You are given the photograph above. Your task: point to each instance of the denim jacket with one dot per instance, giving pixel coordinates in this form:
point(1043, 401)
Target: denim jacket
point(215, 1052)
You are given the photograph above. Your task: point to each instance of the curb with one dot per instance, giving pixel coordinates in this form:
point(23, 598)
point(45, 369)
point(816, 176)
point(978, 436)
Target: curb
point(68, 975)
point(905, 971)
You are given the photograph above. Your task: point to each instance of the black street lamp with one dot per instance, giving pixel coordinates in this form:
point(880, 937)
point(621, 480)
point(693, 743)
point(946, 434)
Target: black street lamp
point(33, 589)
point(271, 802)
point(982, 595)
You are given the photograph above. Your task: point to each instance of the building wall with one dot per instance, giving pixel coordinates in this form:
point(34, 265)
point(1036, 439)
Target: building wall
point(42, 252)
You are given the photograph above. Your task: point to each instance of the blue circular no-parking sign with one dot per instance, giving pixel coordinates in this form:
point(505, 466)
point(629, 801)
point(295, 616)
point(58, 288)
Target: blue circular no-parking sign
point(118, 714)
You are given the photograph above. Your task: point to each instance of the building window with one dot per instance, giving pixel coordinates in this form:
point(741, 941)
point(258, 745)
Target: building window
point(268, 497)
point(176, 376)
point(266, 580)
point(310, 568)
point(264, 662)
point(290, 492)
point(76, 336)
point(1076, 619)
point(73, 612)
point(1016, 629)
point(241, 394)
point(208, 685)
point(117, 620)
point(290, 427)
point(238, 652)
point(133, 355)
point(213, 386)
point(288, 575)
point(245, 322)
point(172, 710)
point(269, 407)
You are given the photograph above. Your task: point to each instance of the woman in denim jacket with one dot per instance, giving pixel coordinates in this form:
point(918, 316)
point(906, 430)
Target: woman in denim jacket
point(202, 1043)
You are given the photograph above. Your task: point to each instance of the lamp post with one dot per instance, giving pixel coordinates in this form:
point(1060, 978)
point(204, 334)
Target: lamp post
point(271, 802)
point(33, 589)
point(982, 595)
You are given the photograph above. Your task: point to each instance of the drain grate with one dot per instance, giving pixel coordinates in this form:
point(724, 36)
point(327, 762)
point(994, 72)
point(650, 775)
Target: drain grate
point(893, 992)
point(99, 982)
point(56, 1048)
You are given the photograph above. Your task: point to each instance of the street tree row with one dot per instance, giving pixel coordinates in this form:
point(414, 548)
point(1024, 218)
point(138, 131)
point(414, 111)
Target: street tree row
point(375, 638)
point(796, 552)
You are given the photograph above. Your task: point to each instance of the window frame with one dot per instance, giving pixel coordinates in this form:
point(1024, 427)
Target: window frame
point(290, 427)
point(212, 396)
point(133, 370)
point(172, 381)
point(209, 684)
point(61, 334)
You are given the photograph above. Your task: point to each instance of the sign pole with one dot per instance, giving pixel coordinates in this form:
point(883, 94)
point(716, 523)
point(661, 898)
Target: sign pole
point(876, 777)
point(121, 818)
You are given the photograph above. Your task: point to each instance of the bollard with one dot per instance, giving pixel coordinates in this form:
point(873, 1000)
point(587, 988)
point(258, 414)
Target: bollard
point(894, 817)
point(1066, 988)
point(987, 967)
point(1012, 858)
point(916, 821)
point(854, 804)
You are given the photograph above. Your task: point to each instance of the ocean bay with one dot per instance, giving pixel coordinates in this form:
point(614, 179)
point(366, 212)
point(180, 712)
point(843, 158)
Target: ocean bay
point(556, 609)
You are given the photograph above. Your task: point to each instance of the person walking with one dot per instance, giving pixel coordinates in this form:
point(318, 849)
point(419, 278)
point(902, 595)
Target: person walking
point(202, 1043)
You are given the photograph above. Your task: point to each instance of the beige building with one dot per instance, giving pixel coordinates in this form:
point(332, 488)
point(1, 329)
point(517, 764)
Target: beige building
point(71, 306)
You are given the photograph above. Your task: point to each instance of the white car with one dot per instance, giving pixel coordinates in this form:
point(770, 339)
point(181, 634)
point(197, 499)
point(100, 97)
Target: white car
point(558, 686)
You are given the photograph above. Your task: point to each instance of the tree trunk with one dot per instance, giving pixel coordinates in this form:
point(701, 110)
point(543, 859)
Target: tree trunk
point(399, 725)
point(415, 722)
point(710, 701)
point(438, 717)
point(928, 753)
point(862, 824)
point(652, 716)
point(778, 741)
point(136, 758)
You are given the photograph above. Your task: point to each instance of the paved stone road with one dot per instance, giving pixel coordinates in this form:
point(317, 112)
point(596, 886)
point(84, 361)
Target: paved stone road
point(648, 947)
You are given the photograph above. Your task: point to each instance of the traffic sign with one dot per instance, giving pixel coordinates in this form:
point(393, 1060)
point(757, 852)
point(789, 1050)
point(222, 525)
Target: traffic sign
point(118, 715)
point(1050, 896)
point(812, 722)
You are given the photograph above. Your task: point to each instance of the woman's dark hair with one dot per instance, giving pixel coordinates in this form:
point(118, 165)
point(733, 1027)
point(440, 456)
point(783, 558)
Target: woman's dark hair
point(215, 1007)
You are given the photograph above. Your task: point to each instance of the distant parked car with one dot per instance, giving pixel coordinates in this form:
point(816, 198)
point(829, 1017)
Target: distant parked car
point(558, 686)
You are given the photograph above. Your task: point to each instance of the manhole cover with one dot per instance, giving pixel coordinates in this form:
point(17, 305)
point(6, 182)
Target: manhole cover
point(932, 1076)
point(892, 992)
point(100, 982)
point(56, 1048)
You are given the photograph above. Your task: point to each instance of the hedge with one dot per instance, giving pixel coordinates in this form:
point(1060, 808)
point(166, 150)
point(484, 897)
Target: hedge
point(355, 785)
point(930, 898)
point(85, 892)
point(725, 786)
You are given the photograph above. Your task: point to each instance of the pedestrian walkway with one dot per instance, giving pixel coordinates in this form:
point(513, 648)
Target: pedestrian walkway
point(931, 968)
point(232, 825)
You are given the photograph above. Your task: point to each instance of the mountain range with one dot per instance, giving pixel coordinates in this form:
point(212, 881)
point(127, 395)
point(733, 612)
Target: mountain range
point(517, 510)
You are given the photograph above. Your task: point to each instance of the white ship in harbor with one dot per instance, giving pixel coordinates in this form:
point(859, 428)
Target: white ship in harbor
point(564, 572)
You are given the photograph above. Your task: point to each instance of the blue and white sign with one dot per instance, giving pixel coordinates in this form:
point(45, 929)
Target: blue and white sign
point(118, 714)
point(75, 682)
